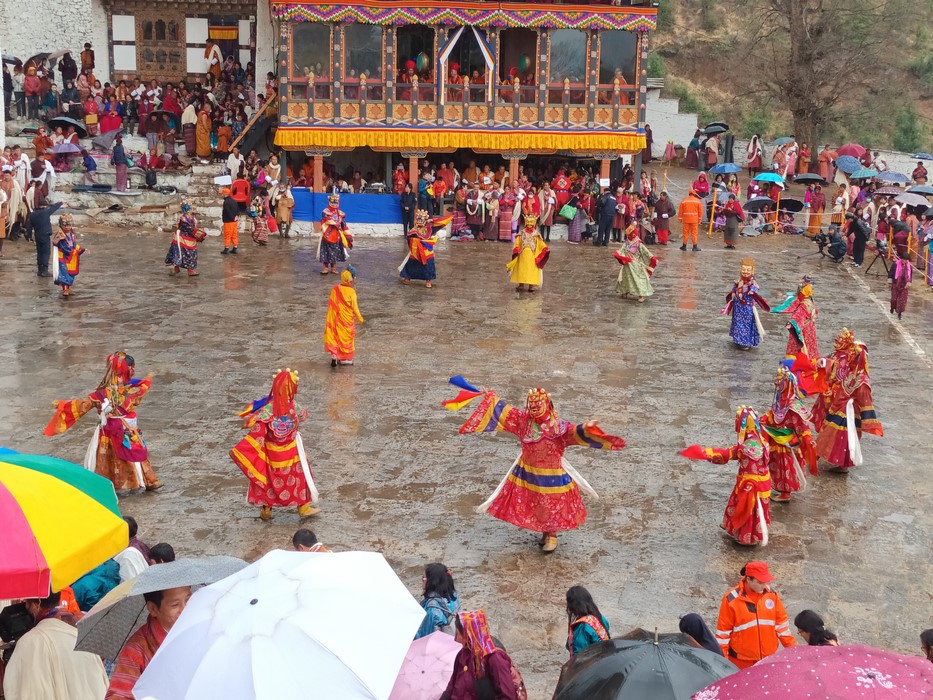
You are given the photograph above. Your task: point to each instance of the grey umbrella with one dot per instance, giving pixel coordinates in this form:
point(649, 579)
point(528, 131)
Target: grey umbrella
point(110, 623)
point(105, 141)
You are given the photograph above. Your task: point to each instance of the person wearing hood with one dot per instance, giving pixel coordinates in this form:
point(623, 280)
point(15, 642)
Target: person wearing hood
point(694, 627)
point(701, 185)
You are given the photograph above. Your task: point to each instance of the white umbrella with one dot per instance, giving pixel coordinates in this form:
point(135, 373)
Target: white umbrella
point(292, 625)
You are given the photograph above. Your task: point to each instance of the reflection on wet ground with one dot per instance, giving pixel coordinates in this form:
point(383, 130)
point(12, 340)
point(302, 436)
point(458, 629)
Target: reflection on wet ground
point(395, 475)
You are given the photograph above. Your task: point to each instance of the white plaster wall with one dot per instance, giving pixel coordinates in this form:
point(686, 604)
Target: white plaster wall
point(267, 43)
point(33, 26)
point(667, 123)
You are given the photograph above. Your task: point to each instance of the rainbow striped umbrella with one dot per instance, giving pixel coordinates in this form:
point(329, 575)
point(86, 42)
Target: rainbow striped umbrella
point(58, 521)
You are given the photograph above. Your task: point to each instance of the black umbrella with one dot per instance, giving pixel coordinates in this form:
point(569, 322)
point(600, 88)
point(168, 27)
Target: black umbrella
point(789, 204)
point(723, 125)
point(716, 128)
point(641, 665)
point(11, 60)
point(758, 203)
point(928, 213)
point(810, 177)
point(68, 121)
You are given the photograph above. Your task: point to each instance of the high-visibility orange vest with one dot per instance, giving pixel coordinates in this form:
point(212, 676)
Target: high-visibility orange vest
point(751, 625)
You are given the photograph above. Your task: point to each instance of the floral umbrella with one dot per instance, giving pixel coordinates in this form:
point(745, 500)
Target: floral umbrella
point(829, 673)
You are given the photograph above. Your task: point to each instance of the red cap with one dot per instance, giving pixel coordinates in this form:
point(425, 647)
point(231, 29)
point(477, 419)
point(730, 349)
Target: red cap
point(758, 570)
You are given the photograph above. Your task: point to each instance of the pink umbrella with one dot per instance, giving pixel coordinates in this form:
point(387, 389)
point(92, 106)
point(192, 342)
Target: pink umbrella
point(829, 673)
point(851, 149)
point(427, 668)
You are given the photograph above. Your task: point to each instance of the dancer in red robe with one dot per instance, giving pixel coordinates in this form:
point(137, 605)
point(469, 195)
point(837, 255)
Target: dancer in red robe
point(541, 492)
point(790, 440)
point(846, 409)
point(748, 512)
point(272, 454)
point(801, 328)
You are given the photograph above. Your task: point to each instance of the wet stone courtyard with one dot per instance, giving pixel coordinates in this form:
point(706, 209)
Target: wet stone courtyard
point(396, 477)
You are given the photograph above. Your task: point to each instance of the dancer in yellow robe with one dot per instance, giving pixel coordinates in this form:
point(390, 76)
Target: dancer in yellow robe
point(340, 327)
point(529, 256)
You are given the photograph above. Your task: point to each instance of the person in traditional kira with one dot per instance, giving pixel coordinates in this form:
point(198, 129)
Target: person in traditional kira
point(272, 455)
point(541, 491)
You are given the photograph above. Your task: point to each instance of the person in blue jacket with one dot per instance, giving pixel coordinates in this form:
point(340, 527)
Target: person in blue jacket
point(440, 601)
point(585, 624)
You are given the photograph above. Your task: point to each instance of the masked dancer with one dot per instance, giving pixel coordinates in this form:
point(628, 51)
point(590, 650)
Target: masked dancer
point(335, 236)
point(746, 330)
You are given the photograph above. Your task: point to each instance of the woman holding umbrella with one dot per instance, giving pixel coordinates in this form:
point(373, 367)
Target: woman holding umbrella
point(817, 204)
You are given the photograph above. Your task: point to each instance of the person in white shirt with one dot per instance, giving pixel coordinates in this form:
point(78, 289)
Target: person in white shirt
point(879, 163)
point(235, 162)
point(21, 167)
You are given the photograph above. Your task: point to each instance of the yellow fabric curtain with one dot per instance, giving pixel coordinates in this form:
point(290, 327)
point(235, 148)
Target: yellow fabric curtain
point(218, 33)
point(402, 139)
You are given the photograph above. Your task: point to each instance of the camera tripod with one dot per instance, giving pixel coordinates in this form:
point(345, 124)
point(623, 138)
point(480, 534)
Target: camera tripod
point(879, 254)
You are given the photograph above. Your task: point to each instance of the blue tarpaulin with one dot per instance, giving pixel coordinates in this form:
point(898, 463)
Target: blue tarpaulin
point(359, 208)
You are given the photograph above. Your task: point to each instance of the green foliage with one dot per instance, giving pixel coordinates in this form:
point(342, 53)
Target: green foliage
point(665, 15)
point(922, 68)
point(757, 121)
point(656, 67)
point(689, 102)
point(708, 19)
point(908, 132)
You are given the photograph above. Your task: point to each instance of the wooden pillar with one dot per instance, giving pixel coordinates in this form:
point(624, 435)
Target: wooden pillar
point(413, 172)
point(513, 169)
point(604, 169)
point(318, 173)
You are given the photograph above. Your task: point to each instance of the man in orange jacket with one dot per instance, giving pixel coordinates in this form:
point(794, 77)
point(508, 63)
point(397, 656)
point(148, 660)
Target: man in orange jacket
point(752, 619)
point(690, 213)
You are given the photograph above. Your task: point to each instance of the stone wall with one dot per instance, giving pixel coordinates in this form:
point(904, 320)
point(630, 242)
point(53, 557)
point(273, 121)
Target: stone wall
point(50, 25)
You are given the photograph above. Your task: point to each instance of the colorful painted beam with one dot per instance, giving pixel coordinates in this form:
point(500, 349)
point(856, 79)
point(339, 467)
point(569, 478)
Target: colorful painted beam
point(479, 14)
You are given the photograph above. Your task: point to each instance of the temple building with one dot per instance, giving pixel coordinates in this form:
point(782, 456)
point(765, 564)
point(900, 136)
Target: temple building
point(386, 81)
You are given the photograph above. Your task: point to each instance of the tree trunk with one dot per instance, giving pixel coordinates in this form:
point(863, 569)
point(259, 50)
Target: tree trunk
point(807, 131)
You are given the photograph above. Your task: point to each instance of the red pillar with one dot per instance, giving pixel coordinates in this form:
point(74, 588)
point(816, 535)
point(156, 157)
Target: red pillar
point(413, 172)
point(318, 174)
point(604, 169)
point(513, 169)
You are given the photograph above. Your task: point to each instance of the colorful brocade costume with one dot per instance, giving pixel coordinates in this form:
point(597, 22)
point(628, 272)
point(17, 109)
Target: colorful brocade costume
point(541, 492)
point(846, 409)
point(335, 235)
point(529, 256)
point(787, 428)
point(343, 312)
point(638, 266)
point(117, 450)
point(748, 512)
point(183, 250)
point(272, 455)
point(801, 327)
point(419, 263)
point(66, 255)
point(746, 328)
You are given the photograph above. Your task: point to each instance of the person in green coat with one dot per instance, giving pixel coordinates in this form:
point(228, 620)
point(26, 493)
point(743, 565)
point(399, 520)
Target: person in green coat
point(585, 624)
point(637, 266)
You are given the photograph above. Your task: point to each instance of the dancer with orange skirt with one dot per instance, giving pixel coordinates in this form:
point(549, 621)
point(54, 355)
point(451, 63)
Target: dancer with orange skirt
point(846, 410)
point(272, 455)
point(66, 254)
point(790, 440)
point(117, 448)
point(541, 491)
point(748, 512)
point(343, 312)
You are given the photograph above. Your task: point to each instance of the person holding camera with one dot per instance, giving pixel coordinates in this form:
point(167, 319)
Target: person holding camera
point(859, 230)
point(837, 244)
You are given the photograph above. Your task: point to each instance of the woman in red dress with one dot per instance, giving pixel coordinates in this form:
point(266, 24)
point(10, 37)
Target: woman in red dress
point(541, 492)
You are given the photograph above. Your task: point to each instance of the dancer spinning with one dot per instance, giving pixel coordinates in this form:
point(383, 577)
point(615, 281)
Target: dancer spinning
point(335, 236)
point(802, 325)
point(419, 263)
point(843, 412)
point(541, 492)
point(746, 330)
point(637, 266)
point(340, 327)
point(747, 513)
point(272, 454)
point(787, 427)
point(66, 254)
point(183, 250)
point(117, 448)
point(529, 256)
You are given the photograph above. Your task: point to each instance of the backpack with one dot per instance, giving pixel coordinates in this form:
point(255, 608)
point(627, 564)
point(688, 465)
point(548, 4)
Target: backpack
point(151, 180)
point(440, 604)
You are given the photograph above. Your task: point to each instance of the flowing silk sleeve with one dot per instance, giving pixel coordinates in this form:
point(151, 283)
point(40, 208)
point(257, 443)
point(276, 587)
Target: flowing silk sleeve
point(592, 437)
point(493, 415)
point(716, 455)
point(866, 409)
point(67, 414)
